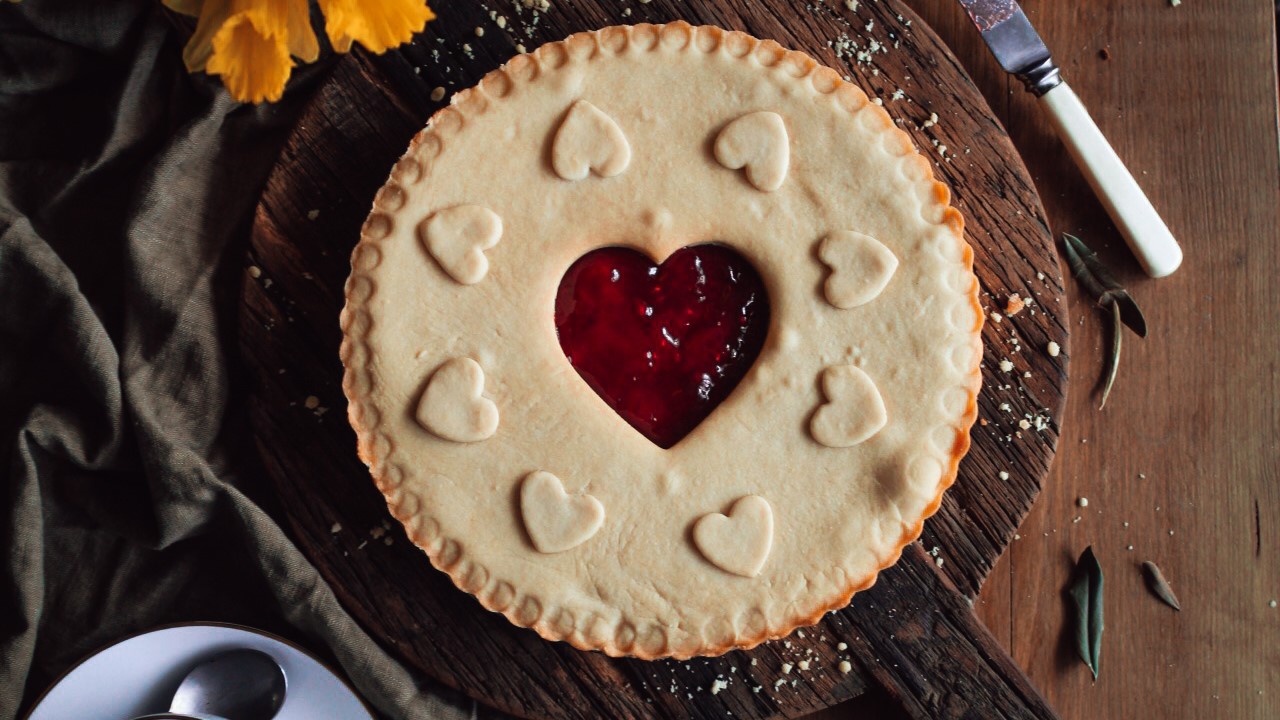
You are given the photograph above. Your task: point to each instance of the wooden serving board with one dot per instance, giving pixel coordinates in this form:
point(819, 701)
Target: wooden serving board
point(903, 634)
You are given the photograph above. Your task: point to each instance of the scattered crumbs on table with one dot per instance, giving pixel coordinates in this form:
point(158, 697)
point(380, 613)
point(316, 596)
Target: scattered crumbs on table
point(1054, 348)
point(846, 668)
point(1006, 365)
point(842, 646)
point(362, 544)
point(1024, 424)
point(800, 634)
point(501, 20)
point(313, 214)
point(1076, 519)
point(255, 272)
point(266, 283)
point(997, 317)
point(803, 664)
point(878, 101)
point(1271, 604)
point(1130, 548)
point(753, 662)
point(1126, 523)
point(1170, 532)
point(1083, 502)
point(1014, 305)
point(437, 95)
point(479, 31)
point(1004, 475)
point(1084, 441)
point(312, 402)
point(520, 48)
point(1141, 476)
point(779, 683)
point(336, 528)
point(786, 668)
point(718, 685)
point(376, 532)
point(939, 561)
point(1175, 3)
point(388, 540)
point(851, 5)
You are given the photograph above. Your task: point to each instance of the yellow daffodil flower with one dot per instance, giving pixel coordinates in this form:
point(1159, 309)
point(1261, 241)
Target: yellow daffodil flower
point(379, 26)
point(251, 43)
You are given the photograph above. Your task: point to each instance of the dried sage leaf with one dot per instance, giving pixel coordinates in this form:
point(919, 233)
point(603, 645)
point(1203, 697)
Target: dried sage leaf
point(1159, 586)
point(1113, 358)
point(1098, 281)
point(1086, 595)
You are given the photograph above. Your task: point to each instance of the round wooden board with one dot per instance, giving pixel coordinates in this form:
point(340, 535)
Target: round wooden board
point(309, 219)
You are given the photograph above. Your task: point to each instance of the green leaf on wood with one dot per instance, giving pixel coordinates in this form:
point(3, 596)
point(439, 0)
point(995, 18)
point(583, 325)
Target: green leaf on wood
point(1098, 281)
point(1086, 595)
point(1113, 358)
point(1159, 586)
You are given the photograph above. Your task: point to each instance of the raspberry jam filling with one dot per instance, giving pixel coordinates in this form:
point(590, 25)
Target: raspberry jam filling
point(665, 344)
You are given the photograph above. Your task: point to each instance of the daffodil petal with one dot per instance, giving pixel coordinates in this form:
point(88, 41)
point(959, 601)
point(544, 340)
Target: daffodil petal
point(379, 25)
point(184, 7)
point(213, 14)
point(254, 64)
point(302, 37)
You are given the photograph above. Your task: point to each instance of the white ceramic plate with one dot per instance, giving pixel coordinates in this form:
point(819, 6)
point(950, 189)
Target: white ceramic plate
point(138, 676)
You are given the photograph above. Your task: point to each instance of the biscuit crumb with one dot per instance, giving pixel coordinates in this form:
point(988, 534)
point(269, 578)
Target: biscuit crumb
point(255, 272)
point(1006, 365)
point(1054, 348)
point(336, 528)
point(437, 95)
point(312, 402)
point(846, 668)
point(804, 664)
point(786, 668)
point(718, 685)
point(1014, 305)
point(842, 647)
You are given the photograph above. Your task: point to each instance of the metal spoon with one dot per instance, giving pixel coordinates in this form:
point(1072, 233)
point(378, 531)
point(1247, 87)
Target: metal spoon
point(234, 685)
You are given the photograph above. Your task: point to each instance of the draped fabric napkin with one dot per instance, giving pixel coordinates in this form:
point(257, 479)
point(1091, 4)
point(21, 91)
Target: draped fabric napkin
point(131, 497)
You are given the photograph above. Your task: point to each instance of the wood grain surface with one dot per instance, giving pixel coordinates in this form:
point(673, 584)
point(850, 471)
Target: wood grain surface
point(1181, 468)
point(308, 221)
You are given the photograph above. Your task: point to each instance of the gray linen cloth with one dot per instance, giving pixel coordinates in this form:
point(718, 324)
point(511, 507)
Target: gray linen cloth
point(131, 499)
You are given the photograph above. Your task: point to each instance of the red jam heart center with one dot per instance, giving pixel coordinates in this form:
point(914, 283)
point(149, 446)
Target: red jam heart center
point(662, 344)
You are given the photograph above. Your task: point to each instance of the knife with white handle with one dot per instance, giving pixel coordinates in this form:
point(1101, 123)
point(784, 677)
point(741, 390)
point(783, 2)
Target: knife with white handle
point(1021, 52)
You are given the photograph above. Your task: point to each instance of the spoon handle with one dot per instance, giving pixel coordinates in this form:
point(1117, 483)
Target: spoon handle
point(177, 716)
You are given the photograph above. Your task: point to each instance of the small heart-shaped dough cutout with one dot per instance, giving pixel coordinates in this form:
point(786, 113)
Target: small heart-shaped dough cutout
point(854, 410)
point(457, 238)
point(555, 520)
point(739, 542)
point(587, 141)
point(452, 406)
point(758, 142)
point(861, 268)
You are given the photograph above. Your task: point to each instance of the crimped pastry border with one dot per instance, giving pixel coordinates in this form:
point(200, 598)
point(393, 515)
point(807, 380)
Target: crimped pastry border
point(377, 449)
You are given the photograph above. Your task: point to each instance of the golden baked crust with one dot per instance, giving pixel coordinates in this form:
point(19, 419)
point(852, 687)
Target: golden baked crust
point(587, 601)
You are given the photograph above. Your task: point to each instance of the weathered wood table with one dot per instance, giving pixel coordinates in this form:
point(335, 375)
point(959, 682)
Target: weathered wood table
point(1183, 465)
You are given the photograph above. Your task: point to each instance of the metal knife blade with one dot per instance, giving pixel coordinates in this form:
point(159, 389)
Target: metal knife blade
point(1016, 45)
